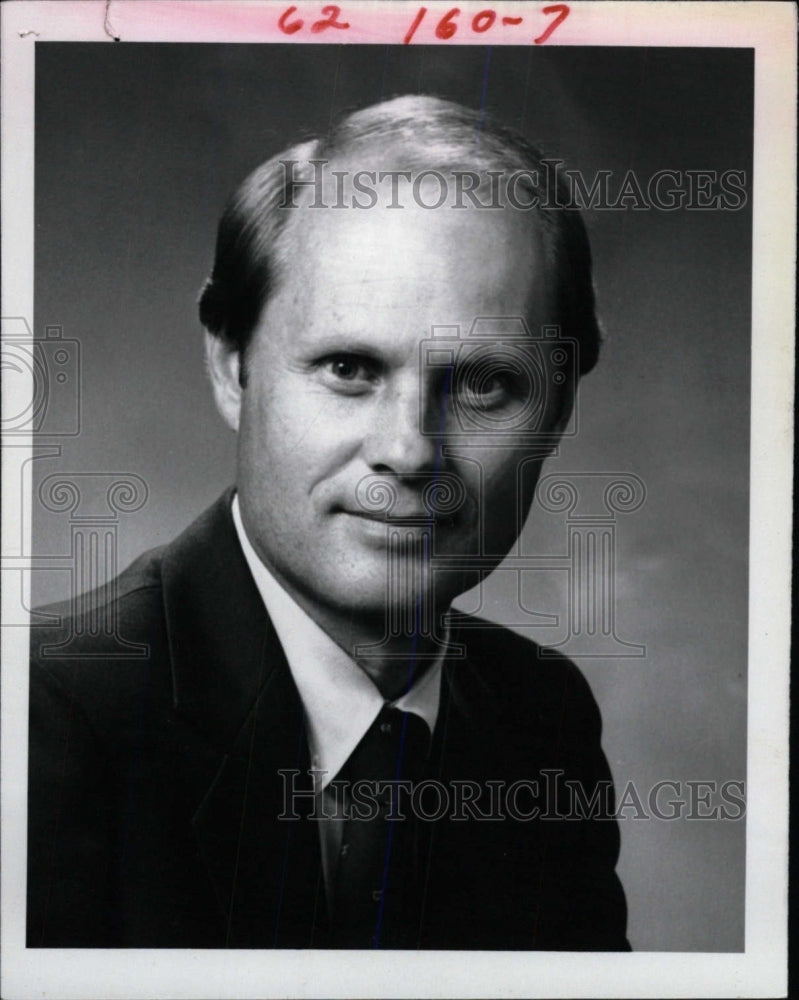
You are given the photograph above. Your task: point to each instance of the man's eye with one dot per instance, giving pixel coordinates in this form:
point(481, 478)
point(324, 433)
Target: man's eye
point(484, 390)
point(347, 373)
point(346, 368)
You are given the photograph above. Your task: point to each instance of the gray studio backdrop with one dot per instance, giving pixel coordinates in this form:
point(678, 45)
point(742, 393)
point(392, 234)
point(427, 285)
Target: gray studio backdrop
point(137, 148)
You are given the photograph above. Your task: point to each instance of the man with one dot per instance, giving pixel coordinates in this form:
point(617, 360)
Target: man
point(268, 773)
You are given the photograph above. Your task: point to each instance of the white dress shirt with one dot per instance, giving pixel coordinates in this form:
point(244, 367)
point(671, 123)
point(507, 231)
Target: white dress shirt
point(339, 699)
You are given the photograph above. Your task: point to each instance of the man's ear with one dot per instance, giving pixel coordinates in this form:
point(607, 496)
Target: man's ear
point(223, 367)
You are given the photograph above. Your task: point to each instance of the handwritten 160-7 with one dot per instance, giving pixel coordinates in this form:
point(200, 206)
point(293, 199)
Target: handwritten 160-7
point(447, 26)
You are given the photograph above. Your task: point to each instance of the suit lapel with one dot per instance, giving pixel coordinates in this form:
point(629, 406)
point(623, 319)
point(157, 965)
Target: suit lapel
point(231, 681)
point(260, 848)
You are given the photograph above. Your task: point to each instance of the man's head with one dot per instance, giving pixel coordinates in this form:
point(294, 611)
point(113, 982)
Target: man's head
point(320, 315)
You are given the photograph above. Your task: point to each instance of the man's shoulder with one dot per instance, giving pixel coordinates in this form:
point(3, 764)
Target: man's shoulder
point(523, 678)
point(106, 648)
point(101, 649)
point(88, 624)
point(128, 608)
point(506, 654)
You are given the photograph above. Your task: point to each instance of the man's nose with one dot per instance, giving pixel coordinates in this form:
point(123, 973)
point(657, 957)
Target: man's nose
point(395, 441)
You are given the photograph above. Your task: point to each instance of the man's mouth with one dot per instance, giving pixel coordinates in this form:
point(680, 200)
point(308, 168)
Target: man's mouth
point(413, 516)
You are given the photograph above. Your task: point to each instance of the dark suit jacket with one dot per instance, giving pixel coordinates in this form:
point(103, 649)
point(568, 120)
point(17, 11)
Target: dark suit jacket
point(154, 784)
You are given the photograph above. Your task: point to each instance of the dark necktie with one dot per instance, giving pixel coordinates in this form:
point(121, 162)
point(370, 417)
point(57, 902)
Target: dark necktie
point(378, 879)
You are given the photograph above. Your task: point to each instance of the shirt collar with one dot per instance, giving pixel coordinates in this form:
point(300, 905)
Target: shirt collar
point(340, 700)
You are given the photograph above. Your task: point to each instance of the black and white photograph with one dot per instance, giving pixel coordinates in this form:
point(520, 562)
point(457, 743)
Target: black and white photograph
point(397, 442)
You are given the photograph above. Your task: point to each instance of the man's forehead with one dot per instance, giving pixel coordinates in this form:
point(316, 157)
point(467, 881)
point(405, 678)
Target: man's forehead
point(384, 242)
point(396, 214)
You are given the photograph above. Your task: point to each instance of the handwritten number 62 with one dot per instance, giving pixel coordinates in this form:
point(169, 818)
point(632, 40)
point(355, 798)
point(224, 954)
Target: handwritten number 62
point(330, 19)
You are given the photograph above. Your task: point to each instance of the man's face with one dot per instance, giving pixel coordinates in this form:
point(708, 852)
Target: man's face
point(339, 393)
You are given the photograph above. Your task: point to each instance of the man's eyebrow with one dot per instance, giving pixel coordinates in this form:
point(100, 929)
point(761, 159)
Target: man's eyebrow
point(333, 342)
